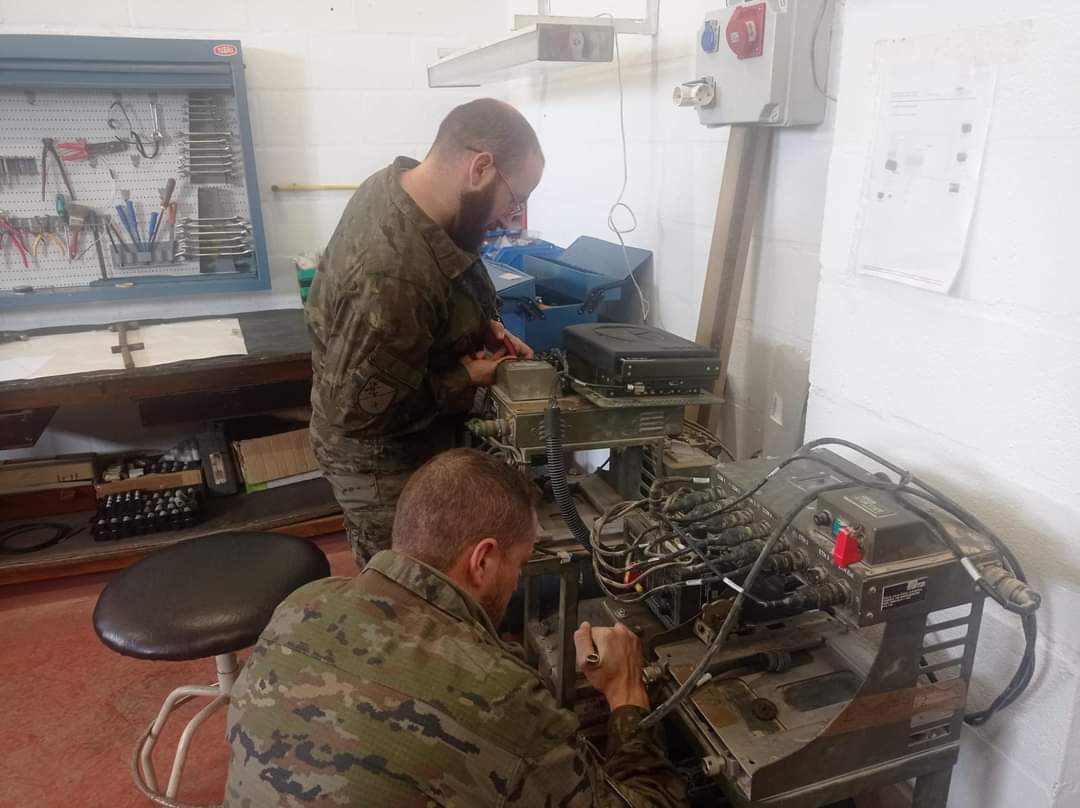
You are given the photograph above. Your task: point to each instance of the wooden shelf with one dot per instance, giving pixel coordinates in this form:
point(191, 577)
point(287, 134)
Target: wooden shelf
point(305, 509)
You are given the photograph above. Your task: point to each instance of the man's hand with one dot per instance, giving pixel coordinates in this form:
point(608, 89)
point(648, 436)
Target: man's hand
point(498, 337)
point(481, 366)
point(618, 674)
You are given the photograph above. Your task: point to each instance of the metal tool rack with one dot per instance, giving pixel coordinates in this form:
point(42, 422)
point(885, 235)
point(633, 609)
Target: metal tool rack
point(170, 109)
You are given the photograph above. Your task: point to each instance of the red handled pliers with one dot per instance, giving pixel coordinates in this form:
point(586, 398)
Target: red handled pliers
point(13, 237)
point(81, 150)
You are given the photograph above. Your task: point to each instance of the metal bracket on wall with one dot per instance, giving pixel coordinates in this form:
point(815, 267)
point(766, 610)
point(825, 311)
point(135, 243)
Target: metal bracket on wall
point(738, 207)
point(648, 26)
point(303, 186)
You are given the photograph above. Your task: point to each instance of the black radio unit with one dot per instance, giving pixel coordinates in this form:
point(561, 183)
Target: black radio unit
point(620, 359)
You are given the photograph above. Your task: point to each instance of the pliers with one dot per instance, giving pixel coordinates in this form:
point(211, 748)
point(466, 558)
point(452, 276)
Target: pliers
point(81, 150)
point(44, 235)
point(13, 237)
point(48, 146)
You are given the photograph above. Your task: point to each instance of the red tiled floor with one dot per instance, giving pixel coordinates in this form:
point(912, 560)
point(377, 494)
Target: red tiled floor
point(71, 710)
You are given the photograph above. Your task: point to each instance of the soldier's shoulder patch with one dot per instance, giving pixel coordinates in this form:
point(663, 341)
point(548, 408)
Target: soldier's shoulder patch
point(375, 396)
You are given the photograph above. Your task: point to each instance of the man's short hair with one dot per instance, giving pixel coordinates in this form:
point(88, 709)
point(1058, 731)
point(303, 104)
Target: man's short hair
point(487, 125)
point(458, 498)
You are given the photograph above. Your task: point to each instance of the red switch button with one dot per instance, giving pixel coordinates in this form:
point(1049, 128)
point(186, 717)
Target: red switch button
point(846, 551)
point(745, 31)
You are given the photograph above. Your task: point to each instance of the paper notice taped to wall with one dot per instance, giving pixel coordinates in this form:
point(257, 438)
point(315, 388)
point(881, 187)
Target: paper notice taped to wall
point(923, 177)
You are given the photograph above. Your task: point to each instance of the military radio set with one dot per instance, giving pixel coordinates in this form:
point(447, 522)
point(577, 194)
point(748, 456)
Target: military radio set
point(809, 622)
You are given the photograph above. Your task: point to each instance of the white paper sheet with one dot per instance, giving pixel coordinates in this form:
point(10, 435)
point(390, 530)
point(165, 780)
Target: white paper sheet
point(21, 367)
point(181, 342)
point(88, 351)
point(923, 176)
point(84, 352)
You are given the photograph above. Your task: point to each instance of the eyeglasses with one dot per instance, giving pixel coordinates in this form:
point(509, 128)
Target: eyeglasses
point(516, 205)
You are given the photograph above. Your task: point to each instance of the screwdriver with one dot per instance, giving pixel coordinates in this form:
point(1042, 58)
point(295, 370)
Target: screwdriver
point(166, 200)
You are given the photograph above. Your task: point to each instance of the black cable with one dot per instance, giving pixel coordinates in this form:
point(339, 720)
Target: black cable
point(136, 139)
point(908, 485)
point(693, 545)
point(1026, 668)
point(60, 531)
point(691, 682)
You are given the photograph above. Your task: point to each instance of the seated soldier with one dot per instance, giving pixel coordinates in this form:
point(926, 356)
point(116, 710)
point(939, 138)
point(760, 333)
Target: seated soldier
point(393, 689)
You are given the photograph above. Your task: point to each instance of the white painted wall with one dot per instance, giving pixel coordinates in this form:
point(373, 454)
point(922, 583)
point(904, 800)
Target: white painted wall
point(337, 89)
point(675, 170)
point(978, 390)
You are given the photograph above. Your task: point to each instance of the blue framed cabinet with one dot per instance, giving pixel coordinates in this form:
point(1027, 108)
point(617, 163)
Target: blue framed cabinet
point(126, 170)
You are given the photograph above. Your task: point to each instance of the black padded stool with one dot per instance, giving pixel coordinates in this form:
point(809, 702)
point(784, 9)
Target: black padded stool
point(207, 597)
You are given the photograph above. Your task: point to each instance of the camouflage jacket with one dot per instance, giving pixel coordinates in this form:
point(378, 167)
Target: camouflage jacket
point(393, 689)
point(394, 304)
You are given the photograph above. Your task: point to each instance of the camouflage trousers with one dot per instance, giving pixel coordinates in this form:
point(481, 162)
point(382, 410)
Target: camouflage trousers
point(367, 493)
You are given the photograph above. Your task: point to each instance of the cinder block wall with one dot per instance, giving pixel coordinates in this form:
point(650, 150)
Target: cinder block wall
point(978, 390)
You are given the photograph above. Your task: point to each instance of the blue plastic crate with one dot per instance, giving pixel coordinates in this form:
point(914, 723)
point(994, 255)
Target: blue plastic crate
point(594, 272)
point(514, 255)
point(515, 293)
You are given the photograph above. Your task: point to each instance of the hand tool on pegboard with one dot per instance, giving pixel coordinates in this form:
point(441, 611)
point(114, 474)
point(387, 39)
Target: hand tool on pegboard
point(12, 168)
point(43, 228)
point(81, 150)
point(134, 137)
point(119, 203)
point(13, 236)
point(166, 201)
point(77, 216)
point(95, 223)
point(172, 221)
point(48, 147)
point(126, 212)
point(133, 218)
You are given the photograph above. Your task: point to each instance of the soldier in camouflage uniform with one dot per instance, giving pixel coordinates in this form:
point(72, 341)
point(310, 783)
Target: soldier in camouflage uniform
point(402, 313)
point(392, 689)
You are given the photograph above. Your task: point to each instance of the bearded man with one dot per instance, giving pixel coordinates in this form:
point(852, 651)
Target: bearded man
point(402, 314)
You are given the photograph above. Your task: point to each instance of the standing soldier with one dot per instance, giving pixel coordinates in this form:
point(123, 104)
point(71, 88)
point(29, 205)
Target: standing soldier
point(402, 314)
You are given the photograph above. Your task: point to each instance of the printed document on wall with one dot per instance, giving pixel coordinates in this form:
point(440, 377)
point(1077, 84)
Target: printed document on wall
point(923, 176)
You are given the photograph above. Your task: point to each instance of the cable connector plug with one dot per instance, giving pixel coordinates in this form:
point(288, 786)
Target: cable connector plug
point(1004, 587)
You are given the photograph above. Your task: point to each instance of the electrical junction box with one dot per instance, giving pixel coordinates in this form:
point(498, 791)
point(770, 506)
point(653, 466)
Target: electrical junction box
point(761, 62)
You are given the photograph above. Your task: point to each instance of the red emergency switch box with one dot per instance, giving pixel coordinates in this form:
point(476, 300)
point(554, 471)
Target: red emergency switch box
point(846, 551)
point(745, 31)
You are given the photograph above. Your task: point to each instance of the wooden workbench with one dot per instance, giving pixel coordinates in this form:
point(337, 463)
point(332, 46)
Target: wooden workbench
point(275, 374)
point(278, 351)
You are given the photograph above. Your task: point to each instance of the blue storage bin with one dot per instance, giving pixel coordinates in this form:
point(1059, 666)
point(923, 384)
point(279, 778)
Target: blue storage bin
point(544, 332)
point(593, 272)
point(515, 292)
point(514, 255)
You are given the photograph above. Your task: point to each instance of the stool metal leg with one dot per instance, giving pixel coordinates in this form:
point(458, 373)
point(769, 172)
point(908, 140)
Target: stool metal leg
point(174, 700)
point(143, 765)
point(185, 742)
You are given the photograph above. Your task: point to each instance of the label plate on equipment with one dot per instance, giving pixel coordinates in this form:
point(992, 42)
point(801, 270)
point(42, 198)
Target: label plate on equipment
point(903, 593)
point(869, 505)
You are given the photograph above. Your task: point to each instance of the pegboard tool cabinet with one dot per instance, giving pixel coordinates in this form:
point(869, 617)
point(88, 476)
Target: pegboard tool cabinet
point(126, 170)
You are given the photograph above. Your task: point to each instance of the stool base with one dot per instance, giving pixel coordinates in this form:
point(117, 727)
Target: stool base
point(142, 766)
